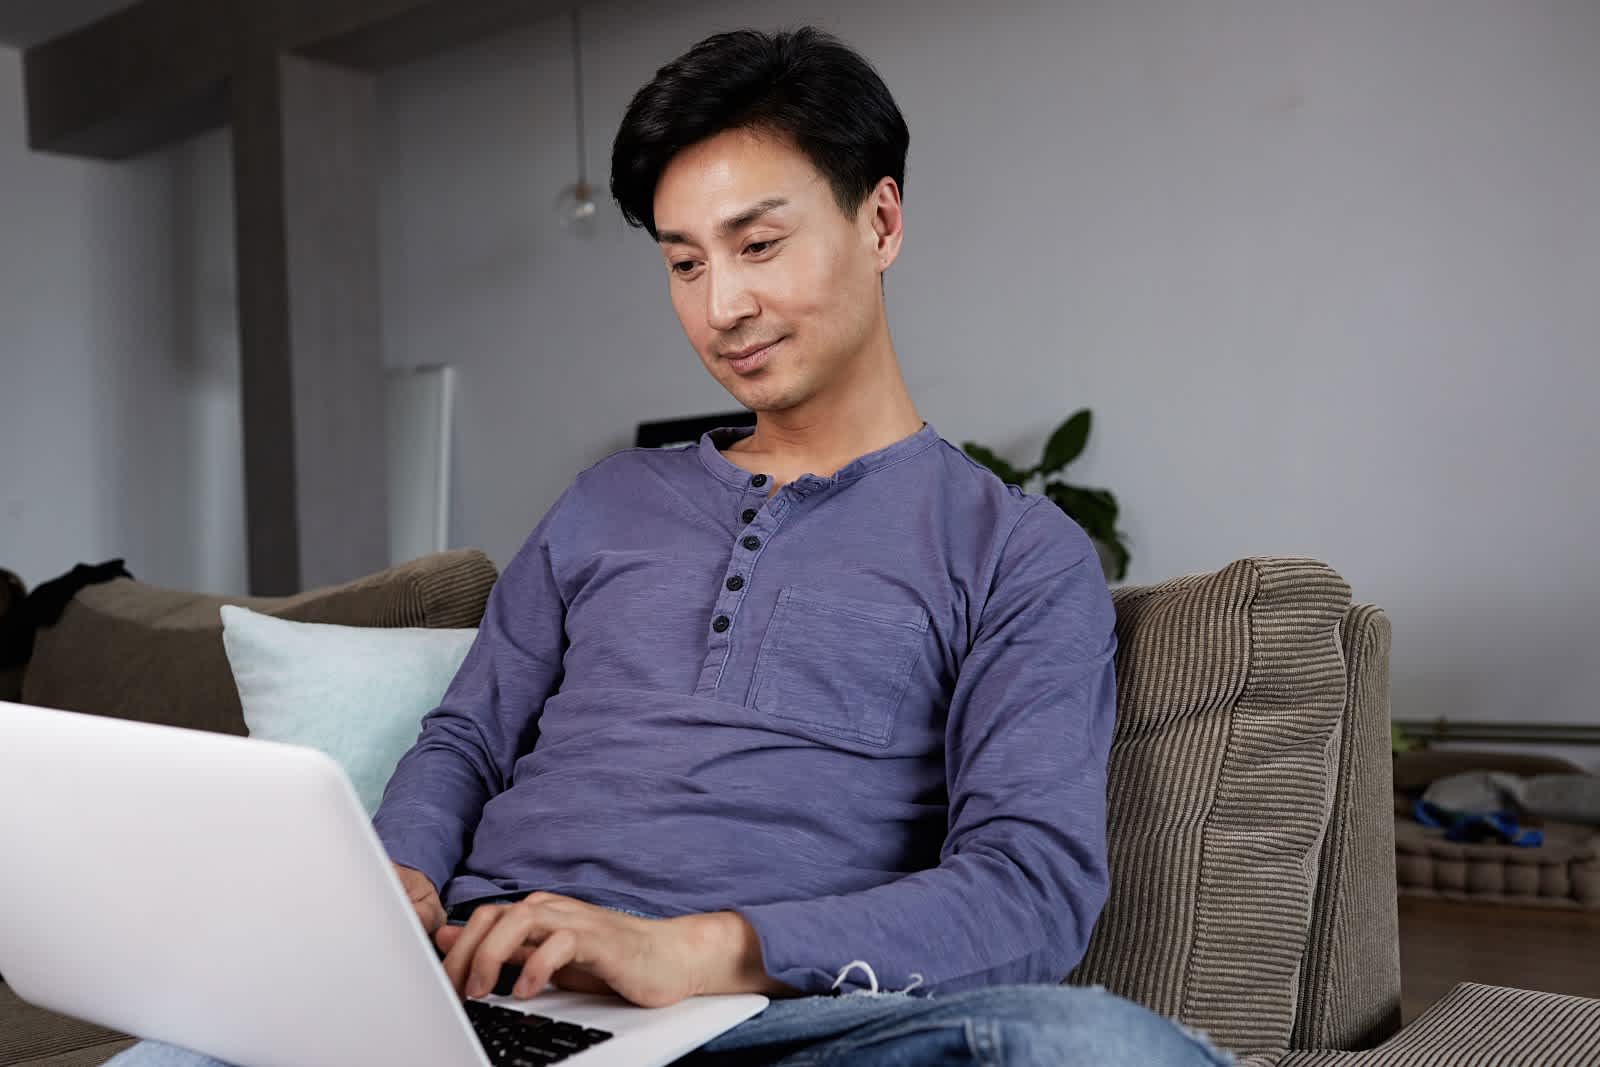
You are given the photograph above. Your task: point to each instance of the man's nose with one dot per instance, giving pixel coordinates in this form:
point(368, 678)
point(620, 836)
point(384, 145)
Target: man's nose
point(728, 300)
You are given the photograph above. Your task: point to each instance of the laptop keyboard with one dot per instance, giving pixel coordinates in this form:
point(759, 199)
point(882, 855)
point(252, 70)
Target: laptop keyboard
point(518, 1039)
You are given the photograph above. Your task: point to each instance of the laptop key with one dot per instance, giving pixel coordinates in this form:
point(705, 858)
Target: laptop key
point(524, 1039)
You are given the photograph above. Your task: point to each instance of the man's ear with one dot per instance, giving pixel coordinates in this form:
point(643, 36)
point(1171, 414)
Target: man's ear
point(885, 220)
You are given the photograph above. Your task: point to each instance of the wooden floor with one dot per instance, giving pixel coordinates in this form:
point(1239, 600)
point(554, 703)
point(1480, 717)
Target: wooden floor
point(1443, 942)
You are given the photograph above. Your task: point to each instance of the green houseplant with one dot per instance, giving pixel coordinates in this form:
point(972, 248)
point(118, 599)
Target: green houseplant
point(1093, 509)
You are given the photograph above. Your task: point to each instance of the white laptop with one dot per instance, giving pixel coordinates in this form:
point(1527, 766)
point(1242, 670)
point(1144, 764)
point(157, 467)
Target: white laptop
point(230, 896)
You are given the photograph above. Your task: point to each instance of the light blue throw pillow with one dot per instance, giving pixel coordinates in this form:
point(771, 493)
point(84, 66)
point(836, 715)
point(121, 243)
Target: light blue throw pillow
point(357, 693)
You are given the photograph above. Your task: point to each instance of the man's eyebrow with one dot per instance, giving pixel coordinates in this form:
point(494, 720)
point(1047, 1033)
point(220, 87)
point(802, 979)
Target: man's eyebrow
point(730, 225)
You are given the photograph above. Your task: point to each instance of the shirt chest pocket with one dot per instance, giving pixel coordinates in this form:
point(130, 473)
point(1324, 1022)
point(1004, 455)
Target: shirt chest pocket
point(837, 665)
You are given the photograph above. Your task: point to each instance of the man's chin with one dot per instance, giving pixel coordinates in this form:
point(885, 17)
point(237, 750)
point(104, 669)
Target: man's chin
point(762, 396)
point(766, 403)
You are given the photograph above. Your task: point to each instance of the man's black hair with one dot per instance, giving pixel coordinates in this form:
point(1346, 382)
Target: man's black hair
point(802, 84)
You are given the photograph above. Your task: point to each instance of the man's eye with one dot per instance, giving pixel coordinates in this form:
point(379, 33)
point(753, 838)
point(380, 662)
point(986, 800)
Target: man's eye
point(683, 266)
point(758, 247)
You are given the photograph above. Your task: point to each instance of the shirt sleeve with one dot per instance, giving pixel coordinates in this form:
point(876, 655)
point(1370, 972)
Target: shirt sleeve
point(1022, 874)
point(488, 717)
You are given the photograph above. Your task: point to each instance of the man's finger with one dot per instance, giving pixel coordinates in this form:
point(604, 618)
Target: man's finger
point(431, 912)
point(458, 960)
point(507, 943)
point(555, 952)
point(446, 937)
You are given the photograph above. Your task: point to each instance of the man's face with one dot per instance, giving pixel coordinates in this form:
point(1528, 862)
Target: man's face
point(759, 254)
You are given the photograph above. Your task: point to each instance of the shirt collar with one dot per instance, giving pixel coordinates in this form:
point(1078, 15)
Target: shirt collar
point(714, 441)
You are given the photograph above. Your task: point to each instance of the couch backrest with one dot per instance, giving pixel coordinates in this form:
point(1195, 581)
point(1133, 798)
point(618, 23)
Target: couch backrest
point(1231, 698)
point(136, 651)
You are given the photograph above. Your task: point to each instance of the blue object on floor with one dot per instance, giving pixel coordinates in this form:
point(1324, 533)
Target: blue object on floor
point(1500, 827)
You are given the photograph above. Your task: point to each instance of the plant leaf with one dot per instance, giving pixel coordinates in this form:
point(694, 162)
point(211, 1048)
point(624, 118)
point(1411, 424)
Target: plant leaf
point(1066, 444)
point(1105, 499)
point(1003, 470)
point(1088, 508)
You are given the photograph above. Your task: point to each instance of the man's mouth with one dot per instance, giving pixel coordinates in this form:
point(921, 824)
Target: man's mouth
point(746, 360)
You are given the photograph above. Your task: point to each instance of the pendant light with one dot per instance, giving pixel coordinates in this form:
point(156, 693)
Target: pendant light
point(576, 204)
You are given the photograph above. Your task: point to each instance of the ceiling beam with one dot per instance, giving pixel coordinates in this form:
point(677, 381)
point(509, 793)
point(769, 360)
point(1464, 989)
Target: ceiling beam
point(160, 71)
point(417, 32)
point(136, 80)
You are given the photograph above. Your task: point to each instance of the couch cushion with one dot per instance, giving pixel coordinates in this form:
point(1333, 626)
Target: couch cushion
point(1230, 689)
point(86, 1057)
point(1484, 1024)
point(32, 1035)
point(140, 652)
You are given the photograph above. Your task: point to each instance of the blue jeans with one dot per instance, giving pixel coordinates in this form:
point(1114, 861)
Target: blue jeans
point(997, 1026)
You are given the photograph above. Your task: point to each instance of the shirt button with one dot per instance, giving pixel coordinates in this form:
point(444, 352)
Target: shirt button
point(752, 542)
point(735, 584)
point(749, 516)
point(759, 480)
point(720, 623)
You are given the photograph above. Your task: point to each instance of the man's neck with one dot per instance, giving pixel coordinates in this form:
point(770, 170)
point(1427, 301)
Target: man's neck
point(833, 428)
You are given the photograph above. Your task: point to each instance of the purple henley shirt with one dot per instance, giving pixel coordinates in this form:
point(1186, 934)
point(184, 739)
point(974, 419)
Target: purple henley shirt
point(868, 712)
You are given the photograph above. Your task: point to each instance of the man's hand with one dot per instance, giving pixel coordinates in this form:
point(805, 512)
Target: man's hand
point(590, 949)
point(424, 897)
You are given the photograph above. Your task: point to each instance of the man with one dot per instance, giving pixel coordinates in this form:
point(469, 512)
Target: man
point(822, 707)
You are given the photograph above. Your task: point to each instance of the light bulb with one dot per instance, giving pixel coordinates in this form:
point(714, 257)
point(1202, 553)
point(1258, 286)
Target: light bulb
point(575, 204)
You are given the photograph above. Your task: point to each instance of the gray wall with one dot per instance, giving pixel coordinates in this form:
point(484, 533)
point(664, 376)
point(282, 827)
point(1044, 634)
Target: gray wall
point(114, 435)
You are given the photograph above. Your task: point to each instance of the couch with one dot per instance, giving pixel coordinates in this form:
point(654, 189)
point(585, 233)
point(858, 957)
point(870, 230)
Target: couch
point(1250, 791)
